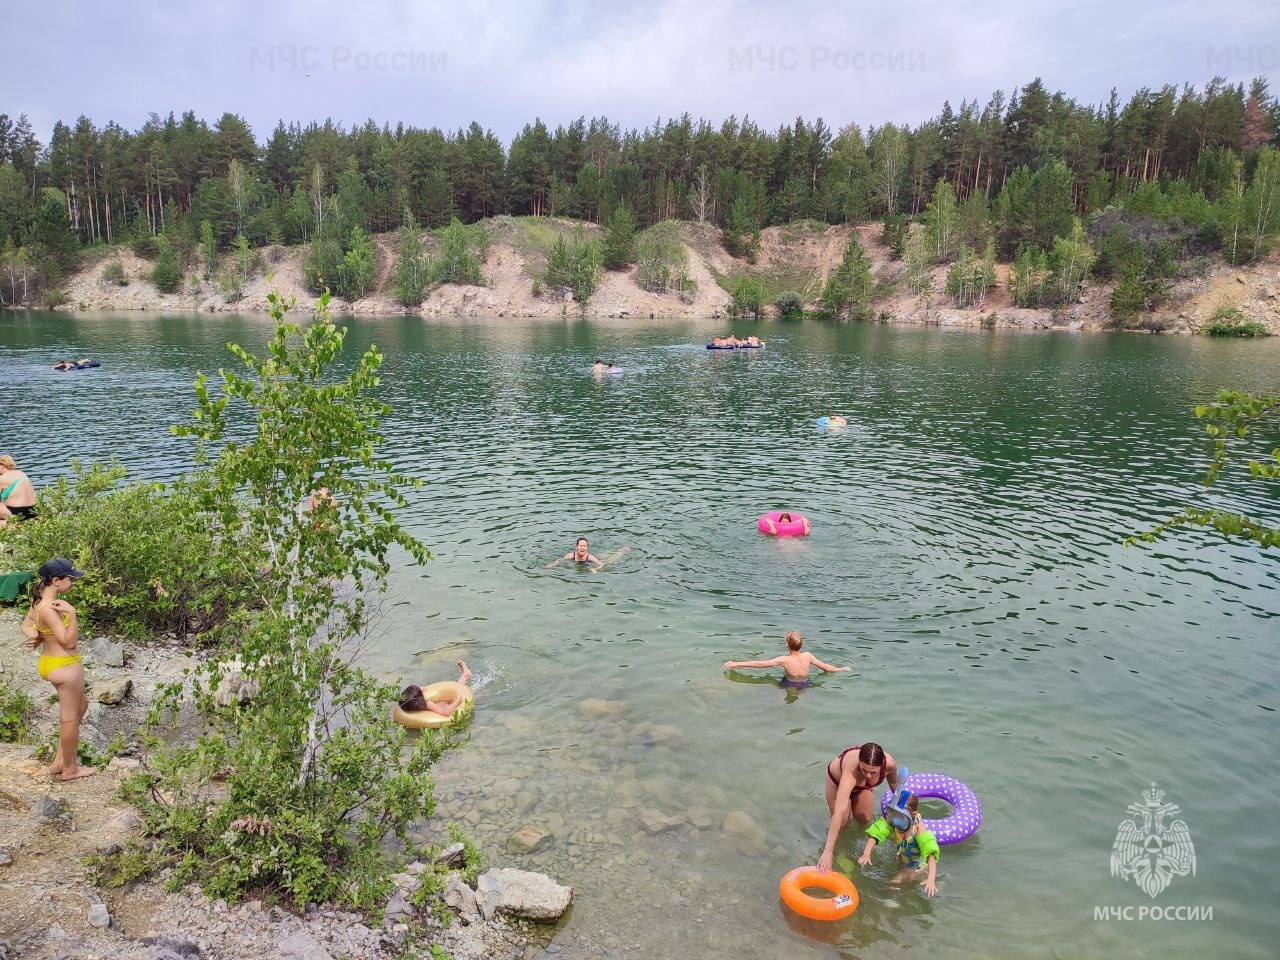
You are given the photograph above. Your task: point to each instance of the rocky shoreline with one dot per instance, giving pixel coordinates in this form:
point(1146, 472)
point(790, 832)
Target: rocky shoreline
point(50, 908)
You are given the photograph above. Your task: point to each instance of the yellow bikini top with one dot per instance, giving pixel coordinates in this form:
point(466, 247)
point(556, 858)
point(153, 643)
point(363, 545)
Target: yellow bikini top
point(66, 622)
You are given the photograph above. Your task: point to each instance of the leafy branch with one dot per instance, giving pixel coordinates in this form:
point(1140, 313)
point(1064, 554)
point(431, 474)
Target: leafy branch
point(1228, 420)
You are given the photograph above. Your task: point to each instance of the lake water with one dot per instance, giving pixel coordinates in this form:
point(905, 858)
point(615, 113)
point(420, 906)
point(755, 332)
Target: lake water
point(965, 560)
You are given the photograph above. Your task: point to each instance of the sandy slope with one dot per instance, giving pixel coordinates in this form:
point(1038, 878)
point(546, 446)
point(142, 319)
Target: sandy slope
point(797, 256)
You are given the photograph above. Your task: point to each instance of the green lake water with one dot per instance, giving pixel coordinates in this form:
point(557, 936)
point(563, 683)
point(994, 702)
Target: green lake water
point(965, 560)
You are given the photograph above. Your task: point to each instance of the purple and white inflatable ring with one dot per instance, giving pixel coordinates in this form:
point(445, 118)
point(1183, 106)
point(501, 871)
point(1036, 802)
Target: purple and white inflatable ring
point(966, 812)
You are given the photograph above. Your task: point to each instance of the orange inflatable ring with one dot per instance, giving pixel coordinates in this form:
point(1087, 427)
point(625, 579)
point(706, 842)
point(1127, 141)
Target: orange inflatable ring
point(426, 719)
point(842, 903)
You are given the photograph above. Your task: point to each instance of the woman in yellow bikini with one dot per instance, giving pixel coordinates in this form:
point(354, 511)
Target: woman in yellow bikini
point(51, 621)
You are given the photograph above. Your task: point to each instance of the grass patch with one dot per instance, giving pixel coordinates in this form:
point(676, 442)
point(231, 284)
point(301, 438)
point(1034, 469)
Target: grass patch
point(1231, 322)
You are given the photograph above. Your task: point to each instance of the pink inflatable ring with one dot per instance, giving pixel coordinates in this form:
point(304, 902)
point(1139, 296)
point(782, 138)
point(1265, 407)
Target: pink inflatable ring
point(773, 524)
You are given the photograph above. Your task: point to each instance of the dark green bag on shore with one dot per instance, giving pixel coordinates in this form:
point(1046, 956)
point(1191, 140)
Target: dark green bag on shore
point(12, 583)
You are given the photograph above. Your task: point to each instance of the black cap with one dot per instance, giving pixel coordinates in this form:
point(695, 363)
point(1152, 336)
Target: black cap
point(60, 567)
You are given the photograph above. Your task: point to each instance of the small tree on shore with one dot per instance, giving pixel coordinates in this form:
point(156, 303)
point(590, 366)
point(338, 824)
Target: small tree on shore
point(167, 273)
point(742, 231)
point(410, 279)
point(848, 289)
point(620, 239)
point(316, 777)
point(460, 256)
point(747, 298)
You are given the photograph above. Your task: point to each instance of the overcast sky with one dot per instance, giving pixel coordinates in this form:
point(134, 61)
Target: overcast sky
point(431, 63)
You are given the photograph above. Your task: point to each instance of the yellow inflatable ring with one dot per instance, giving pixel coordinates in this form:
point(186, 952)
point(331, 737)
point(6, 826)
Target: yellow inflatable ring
point(426, 719)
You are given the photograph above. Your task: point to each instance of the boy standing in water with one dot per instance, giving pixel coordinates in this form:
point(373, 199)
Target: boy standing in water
point(795, 663)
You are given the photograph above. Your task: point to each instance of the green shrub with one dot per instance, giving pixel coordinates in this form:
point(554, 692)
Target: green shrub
point(113, 272)
point(747, 298)
point(153, 566)
point(575, 267)
point(662, 260)
point(1228, 321)
point(1138, 290)
point(790, 305)
point(16, 711)
point(323, 265)
point(461, 250)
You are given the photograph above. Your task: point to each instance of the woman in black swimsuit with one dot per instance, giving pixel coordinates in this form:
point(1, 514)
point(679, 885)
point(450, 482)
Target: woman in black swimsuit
point(851, 783)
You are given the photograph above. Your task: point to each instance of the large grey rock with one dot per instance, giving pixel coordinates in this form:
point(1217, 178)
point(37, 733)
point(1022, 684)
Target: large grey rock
point(302, 946)
point(233, 685)
point(398, 906)
point(460, 898)
point(488, 894)
point(742, 825)
point(47, 808)
point(529, 896)
point(450, 855)
point(527, 839)
point(112, 692)
point(655, 821)
point(98, 916)
point(106, 653)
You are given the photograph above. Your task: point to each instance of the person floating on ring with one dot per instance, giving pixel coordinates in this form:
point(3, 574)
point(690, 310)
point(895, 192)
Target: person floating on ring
point(917, 847)
point(850, 785)
point(412, 700)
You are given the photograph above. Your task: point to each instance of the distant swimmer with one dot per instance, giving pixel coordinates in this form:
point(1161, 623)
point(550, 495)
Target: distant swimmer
point(795, 663)
point(599, 367)
point(582, 555)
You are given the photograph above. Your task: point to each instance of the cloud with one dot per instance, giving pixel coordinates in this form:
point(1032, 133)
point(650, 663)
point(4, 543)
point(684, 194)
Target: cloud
point(502, 62)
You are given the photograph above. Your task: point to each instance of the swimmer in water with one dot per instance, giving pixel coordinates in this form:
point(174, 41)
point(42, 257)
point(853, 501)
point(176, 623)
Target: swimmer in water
point(598, 367)
point(580, 554)
point(794, 662)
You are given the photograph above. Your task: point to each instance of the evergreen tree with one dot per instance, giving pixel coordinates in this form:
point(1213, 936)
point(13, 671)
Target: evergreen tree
point(619, 239)
point(457, 262)
point(358, 266)
point(848, 289)
point(893, 233)
point(742, 231)
point(167, 273)
point(1028, 276)
point(410, 279)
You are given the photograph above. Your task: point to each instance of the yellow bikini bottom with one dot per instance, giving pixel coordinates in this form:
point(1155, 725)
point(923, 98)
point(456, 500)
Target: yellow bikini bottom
point(48, 664)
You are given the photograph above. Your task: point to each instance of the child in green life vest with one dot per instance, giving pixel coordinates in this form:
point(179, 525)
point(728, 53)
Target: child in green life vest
point(917, 847)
